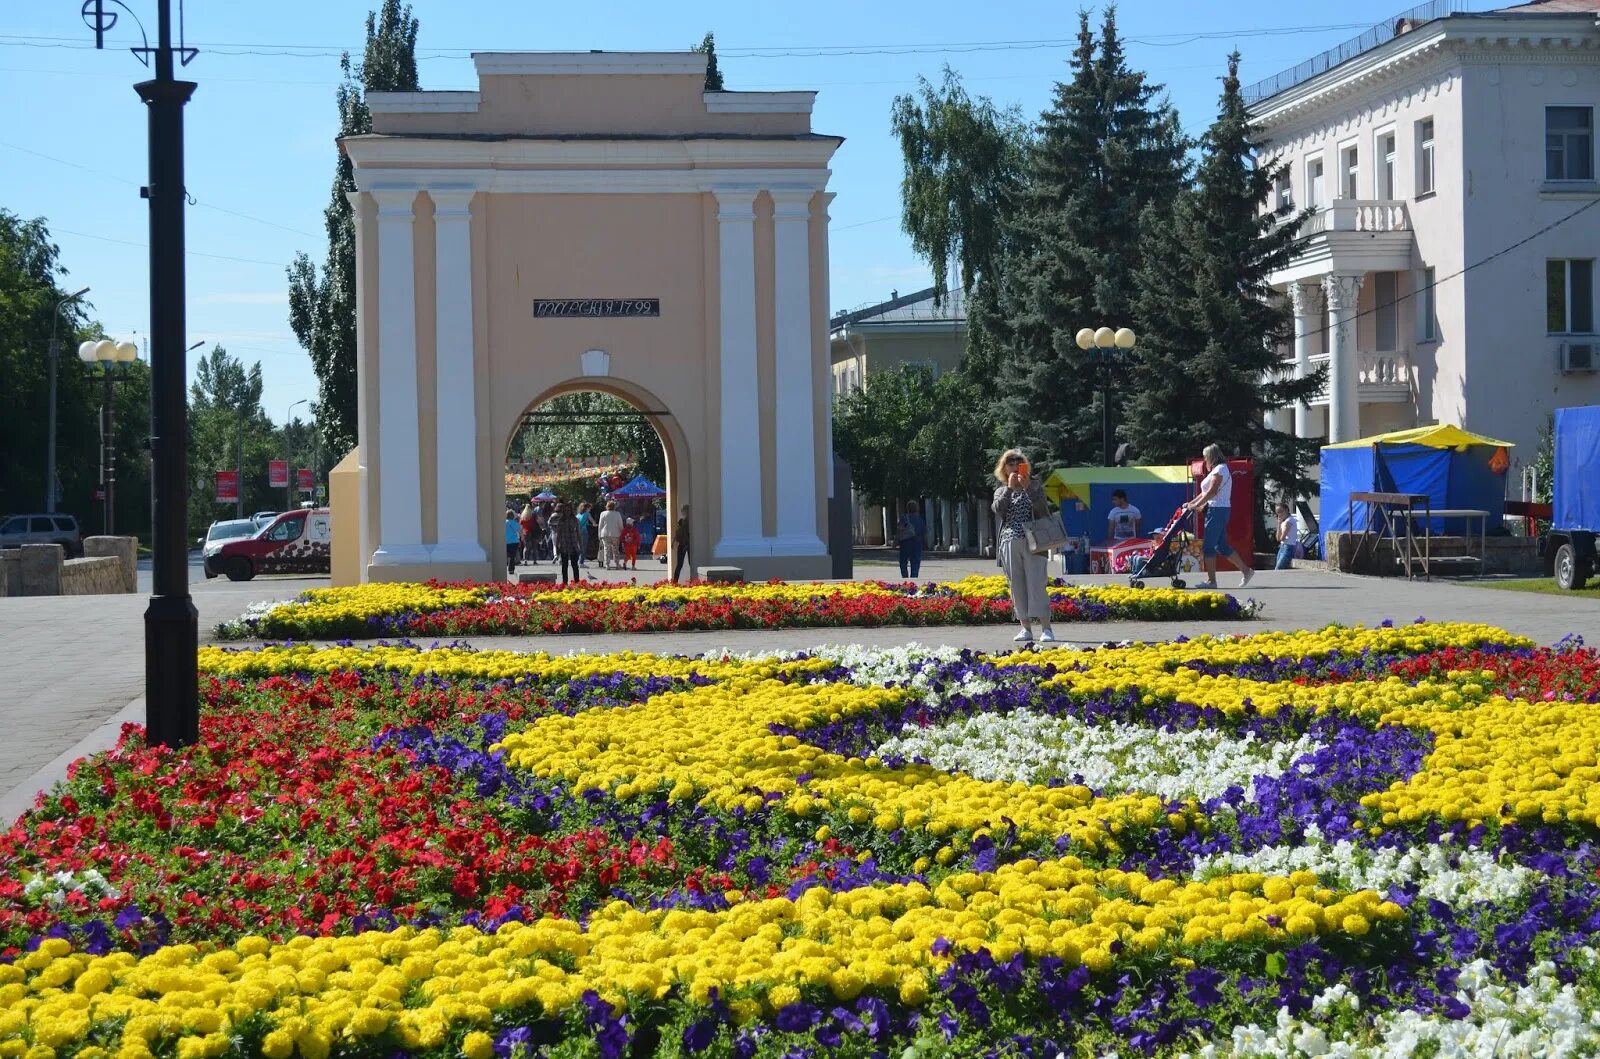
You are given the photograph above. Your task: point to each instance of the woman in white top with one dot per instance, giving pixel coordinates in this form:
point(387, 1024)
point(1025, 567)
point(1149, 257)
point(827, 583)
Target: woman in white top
point(1216, 500)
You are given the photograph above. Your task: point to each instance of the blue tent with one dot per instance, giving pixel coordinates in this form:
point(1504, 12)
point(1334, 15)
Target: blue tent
point(1453, 468)
point(1577, 468)
point(641, 488)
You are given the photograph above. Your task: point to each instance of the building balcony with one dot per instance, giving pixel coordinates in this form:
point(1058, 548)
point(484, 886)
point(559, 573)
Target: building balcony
point(1383, 377)
point(1351, 235)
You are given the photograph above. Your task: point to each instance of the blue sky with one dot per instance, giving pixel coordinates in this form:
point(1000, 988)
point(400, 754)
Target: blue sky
point(260, 127)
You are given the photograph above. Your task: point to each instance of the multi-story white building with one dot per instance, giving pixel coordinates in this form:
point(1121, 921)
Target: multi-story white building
point(1448, 274)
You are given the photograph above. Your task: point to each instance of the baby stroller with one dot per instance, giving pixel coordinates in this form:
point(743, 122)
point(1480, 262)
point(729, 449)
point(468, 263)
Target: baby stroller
point(1170, 548)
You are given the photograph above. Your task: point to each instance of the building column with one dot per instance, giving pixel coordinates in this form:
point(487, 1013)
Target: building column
point(456, 392)
point(952, 532)
point(1303, 299)
point(740, 413)
point(1344, 401)
point(794, 359)
point(399, 459)
point(364, 441)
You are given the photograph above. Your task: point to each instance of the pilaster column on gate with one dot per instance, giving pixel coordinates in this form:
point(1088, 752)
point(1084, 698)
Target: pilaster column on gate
point(1303, 299)
point(399, 456)
point(364, 440)
point(739, 415)
point(794, 414)
point(1344, 399)
point(455, 380)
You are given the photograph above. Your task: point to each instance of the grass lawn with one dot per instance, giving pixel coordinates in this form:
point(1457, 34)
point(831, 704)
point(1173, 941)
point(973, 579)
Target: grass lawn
point(1546, 585)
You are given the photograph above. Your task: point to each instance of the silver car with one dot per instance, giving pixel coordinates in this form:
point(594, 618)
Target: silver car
point(228, 530)
point(17, 530)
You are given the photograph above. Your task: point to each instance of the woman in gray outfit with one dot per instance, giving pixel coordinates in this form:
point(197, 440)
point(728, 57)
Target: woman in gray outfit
point(1018, 500)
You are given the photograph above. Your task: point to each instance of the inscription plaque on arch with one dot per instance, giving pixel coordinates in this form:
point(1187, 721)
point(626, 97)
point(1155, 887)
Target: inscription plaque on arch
point(567, 307)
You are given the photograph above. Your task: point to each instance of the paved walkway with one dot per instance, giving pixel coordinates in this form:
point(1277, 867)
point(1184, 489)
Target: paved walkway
point(74, 666)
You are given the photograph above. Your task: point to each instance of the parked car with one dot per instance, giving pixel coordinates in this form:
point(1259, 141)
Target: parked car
point(17, 530)
point(263, 518)
point(221, 532)
point(296, 542)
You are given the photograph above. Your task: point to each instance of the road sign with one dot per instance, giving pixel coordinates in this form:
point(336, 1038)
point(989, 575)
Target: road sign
point(278, 474)
point(227, 486)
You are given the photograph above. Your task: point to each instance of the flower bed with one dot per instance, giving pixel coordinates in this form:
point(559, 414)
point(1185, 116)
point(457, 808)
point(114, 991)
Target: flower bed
point(1345, 842)
point(496, 609)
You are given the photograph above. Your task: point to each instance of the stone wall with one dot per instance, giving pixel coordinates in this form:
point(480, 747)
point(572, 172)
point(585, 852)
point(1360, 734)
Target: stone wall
point(109, 566)
point(92, 577)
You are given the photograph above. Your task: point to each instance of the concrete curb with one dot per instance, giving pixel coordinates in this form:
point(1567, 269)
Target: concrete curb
point(20, 798)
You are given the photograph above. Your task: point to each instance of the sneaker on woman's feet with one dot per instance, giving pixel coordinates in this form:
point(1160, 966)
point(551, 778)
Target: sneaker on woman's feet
point(1244, 578)
point(1047, 635)
point(1025, 636)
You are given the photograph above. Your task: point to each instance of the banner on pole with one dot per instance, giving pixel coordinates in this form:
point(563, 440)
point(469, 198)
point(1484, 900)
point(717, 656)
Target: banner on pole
point(227, 486)
point(277, 473)
point(304, 479)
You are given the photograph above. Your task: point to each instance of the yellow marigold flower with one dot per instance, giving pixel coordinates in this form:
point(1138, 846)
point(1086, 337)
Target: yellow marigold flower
point(477, 1045)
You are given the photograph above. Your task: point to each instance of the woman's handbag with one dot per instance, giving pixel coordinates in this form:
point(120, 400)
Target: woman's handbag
point(1045, 534)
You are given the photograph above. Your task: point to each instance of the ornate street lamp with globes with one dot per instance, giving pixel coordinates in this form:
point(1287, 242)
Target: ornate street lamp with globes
point(113, 362)
point(1107, 349)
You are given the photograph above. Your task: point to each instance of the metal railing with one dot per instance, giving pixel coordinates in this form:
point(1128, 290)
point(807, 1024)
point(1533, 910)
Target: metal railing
point(1382, 33)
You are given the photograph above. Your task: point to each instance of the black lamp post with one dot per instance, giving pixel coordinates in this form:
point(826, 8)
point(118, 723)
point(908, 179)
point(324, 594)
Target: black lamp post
point(171, 623)
point(1106, 349)
point(112, 361)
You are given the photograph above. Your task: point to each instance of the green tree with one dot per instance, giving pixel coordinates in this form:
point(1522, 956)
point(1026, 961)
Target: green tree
point(1208, 363)
point(226, 420)
point(876, 431)
point(708, 45)
point(964, 168)
point(600, 425)
point(1108, 147)
point(322, 307)
point(955, 446)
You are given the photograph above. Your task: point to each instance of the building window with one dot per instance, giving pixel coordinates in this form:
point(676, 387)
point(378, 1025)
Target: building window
point(1314, 197)
point(1349, 173)
point(1283, 191)
point(1425, 157)
point(1569, 143)
point(1569, 297)
point(1385, 318)
point(1385, 165)
point(1427, 307)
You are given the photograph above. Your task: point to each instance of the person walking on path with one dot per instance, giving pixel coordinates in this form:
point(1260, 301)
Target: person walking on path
point(681, 544)
point(1288, 538)
point(1018, 500)
point(908, 534)
point(630, 545)
point(585, 522)
point(1216, 500)
point(611, 537)
point(529, 521)
point(513, 542)
point(564, 528)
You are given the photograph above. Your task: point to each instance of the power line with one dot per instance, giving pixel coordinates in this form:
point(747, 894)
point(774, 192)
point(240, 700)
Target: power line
point(146, 246)
point(134, 183)
point(1503, 251)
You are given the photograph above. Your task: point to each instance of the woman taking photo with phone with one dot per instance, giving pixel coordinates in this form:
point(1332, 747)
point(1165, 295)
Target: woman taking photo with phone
point(1018, 500)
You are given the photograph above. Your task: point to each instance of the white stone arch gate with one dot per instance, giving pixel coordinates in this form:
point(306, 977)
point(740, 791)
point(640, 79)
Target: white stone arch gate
point(579, 210)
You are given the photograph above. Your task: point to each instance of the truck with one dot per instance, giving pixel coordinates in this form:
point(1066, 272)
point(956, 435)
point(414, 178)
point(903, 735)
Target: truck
point(1569, 547)
point(296, 542)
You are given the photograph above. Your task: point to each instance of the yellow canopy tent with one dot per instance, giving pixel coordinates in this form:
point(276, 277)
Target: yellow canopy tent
point(1438, 436)
point(1074, 482)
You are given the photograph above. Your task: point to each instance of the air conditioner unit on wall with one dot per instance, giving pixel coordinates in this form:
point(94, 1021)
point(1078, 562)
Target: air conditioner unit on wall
point(1580, 356)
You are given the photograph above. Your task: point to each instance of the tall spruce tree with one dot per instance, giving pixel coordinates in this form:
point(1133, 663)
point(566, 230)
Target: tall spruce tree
point(708, 45)
point(1108, 146)
point(322, 308)
point(1210, 325)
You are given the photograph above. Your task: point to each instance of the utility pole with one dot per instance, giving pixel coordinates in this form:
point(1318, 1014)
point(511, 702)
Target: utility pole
point(171, 624)
point(238, 489)
point(288, 454)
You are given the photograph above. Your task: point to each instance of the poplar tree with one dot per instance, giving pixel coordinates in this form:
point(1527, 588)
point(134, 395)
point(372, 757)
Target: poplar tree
point(708, 45)
point(1108, 146)
point(322, 306)
point(1210, 324)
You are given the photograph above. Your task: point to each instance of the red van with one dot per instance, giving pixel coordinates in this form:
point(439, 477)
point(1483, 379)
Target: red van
point(296, 542)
